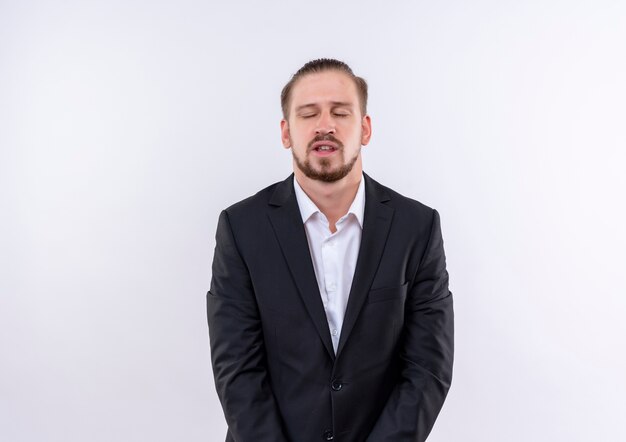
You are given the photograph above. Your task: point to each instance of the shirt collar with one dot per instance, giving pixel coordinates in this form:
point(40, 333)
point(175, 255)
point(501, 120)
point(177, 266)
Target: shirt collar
point(308, 207)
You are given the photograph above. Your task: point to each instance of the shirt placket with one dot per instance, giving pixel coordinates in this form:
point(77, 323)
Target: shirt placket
point(332, 266)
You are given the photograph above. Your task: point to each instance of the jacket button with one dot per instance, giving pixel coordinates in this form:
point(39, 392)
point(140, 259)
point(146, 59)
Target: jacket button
point(336, 385)
point(328, 435)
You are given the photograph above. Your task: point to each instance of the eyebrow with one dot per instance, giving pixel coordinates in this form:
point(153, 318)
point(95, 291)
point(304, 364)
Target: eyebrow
point(333, 103)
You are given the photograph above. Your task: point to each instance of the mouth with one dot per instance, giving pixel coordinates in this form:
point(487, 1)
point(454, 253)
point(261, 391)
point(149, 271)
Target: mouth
point(324, 147)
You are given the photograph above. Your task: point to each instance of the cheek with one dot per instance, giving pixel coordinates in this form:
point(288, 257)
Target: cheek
point(301, 135)
point(355, 135)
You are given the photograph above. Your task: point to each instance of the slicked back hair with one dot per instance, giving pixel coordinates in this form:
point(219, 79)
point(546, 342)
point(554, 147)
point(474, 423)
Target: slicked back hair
point(322, 65)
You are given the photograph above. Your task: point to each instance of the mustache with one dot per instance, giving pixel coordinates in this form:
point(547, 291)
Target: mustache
point(327, 137)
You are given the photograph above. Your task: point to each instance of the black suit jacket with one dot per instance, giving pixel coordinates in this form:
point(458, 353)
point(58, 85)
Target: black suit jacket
point(276, 373)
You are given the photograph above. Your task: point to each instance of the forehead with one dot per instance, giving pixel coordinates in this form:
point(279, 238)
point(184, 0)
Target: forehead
point(324, 87)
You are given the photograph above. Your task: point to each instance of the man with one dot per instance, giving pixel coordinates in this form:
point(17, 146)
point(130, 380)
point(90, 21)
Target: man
point(329, 311)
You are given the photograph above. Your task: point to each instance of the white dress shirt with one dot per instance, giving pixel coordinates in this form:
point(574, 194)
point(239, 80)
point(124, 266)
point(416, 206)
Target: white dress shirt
point(334, 255)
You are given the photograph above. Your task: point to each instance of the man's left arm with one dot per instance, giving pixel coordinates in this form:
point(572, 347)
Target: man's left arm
point(426, 351)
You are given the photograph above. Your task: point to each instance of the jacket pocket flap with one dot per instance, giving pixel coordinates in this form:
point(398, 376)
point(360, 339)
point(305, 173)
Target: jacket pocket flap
point(388, 293)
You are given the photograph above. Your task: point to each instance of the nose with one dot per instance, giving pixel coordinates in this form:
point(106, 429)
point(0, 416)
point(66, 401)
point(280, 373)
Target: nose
point(325, 124)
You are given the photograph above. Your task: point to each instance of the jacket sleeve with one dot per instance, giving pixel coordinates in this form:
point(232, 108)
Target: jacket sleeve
point(426, 351)
point(237, 346)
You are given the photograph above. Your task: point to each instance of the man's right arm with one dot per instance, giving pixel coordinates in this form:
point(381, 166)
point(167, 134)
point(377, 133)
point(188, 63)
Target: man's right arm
point(237, 346)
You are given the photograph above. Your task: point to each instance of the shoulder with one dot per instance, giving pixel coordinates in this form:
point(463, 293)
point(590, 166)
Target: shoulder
point(412, 219)
point(402, 204)
point(257, 204)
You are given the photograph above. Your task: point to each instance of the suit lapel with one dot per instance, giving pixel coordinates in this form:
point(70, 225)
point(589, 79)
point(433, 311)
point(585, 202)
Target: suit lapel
point(376, 224)
point(289, 229)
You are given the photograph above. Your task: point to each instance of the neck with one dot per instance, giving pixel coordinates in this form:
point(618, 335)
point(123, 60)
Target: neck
point(333, 199)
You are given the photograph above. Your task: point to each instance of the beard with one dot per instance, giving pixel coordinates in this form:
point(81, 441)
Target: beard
point(325, 172)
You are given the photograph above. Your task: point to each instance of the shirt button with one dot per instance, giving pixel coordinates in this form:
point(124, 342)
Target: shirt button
point(334, 332)
point(336, 385)
point(332, 286)
point(328, 435)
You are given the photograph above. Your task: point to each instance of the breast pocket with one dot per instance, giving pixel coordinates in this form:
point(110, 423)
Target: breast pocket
point(388, 294)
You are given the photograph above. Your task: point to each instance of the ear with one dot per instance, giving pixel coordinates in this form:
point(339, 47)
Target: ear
point(366, 130)
point(284, 133)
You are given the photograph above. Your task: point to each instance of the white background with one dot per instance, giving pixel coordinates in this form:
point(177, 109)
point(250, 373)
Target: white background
point(126, 126)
